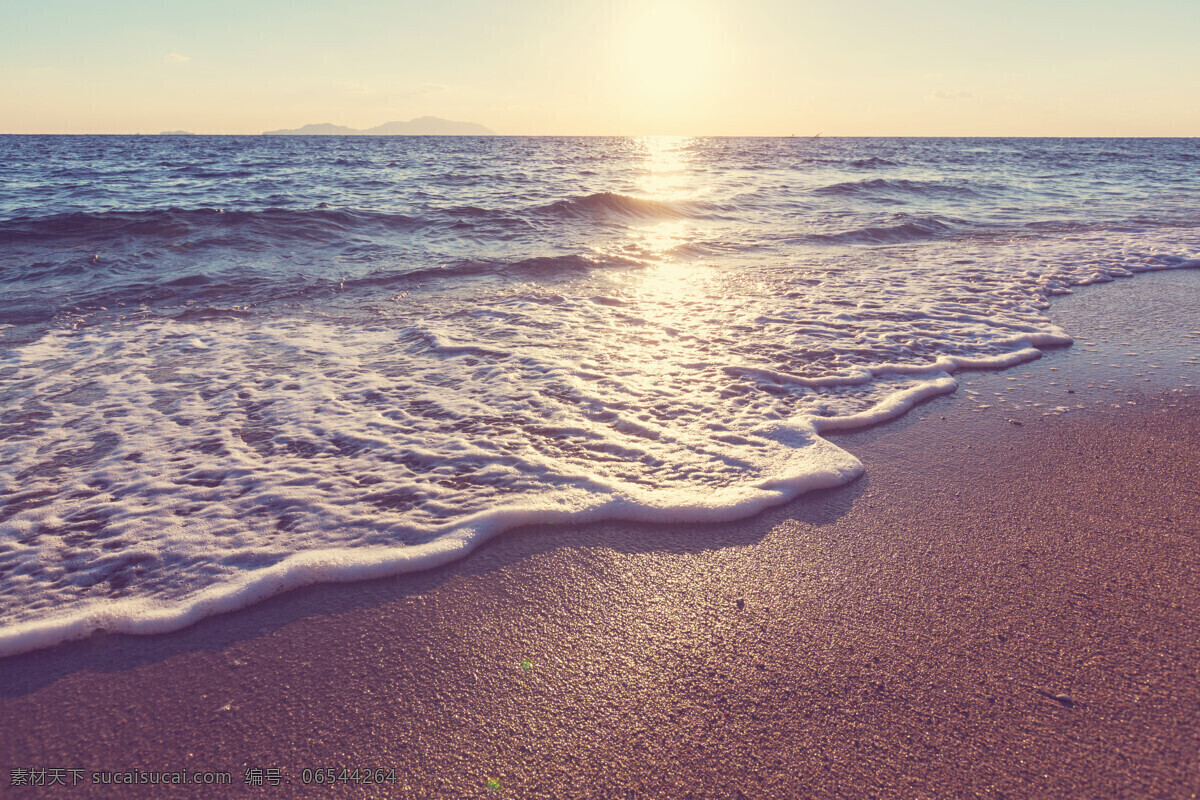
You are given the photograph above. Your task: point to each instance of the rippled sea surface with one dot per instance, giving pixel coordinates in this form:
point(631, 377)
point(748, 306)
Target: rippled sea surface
point(232, 365)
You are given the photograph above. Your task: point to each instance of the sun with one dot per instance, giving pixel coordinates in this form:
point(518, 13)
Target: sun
point(668, 55)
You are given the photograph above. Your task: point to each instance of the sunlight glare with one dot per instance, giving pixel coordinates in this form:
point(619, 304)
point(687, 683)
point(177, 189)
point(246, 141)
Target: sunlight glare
point(668, 57)
point(665, 169)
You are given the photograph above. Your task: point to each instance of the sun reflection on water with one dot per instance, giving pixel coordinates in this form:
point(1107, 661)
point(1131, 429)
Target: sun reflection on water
point(666, 170)
point(664, 318)
point(669, 177)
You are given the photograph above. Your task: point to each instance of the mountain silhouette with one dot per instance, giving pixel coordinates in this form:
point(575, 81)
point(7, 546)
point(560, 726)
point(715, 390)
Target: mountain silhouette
point(422, 126)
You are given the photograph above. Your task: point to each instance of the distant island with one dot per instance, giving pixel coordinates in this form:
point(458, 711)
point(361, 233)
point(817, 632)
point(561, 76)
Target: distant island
point(422, 126)
point(177, 133)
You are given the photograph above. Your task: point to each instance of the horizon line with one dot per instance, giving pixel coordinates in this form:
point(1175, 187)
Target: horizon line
point(621, 135)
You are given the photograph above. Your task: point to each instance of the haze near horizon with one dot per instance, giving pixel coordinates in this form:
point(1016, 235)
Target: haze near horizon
point(710, 67)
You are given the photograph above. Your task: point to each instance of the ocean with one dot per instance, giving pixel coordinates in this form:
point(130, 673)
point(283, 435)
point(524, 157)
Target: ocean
point(236, 365)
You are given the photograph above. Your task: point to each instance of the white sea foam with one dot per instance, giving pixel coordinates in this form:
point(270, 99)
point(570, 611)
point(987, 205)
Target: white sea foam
point(167, 484)
point(156, 471)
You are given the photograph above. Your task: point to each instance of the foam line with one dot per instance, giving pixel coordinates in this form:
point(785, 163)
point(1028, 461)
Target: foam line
point(823, 466)
point(343, 565)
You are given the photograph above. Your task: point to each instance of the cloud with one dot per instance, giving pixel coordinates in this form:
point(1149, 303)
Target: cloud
point(942, 94)
point(175, 58)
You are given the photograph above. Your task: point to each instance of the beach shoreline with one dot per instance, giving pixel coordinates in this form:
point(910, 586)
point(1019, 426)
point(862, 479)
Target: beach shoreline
point(1004, 605)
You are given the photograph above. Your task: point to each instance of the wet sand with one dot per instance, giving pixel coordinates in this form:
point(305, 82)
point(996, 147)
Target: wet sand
point(1006, 605)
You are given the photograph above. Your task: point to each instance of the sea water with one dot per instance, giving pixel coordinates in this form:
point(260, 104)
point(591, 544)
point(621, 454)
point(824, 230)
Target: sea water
point(235, 365)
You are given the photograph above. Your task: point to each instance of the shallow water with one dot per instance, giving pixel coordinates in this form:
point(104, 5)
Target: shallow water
point(238, 364)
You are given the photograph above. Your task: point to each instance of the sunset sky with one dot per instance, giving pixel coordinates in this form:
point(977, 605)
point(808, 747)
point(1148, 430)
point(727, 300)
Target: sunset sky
point(704, 67)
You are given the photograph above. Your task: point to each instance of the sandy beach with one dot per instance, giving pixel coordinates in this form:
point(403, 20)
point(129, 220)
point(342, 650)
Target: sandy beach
point(1005, 605)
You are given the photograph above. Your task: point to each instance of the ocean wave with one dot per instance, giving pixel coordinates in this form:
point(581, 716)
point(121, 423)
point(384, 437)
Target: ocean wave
point(873, 161)
point(912, 229)
point(534, 267)
point(620, 206)
point(97, 229)
point(552, 265)
point(220, 174)
point(875, 187)
point(197, 314)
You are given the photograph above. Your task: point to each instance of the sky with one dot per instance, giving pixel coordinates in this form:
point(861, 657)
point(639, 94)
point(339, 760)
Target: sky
point(601, 67)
